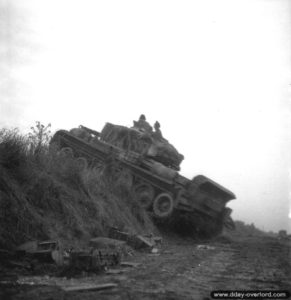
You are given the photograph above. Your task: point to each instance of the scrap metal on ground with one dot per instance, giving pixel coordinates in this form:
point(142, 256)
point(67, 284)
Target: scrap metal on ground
point(90, 259)
point(136, 241)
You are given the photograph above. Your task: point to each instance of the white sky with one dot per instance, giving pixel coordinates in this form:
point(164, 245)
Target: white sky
point(216, 74)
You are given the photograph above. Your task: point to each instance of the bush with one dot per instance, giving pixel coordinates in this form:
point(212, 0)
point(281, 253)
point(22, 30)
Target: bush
point(13, 149)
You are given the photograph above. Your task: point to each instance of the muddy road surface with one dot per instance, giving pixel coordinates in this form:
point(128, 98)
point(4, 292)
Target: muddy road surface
point(183, 269)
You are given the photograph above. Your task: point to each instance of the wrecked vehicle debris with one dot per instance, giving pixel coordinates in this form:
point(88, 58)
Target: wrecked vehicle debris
point(136, 241)
point(147, 165)
point(92, 260)
point(38, 250)
point(32, 246)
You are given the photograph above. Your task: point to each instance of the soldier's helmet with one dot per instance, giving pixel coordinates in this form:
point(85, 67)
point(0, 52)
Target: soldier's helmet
point(142, 117)
point(157, 125)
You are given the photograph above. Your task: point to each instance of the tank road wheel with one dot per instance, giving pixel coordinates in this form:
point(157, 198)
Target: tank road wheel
point(82, 163)
point(66, 152)
point(144, 194)
point(163, 205)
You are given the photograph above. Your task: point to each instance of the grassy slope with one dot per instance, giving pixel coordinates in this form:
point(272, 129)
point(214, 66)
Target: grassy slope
point(43, 195)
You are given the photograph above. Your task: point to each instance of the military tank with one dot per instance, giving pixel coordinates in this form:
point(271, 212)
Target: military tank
point(149, 166)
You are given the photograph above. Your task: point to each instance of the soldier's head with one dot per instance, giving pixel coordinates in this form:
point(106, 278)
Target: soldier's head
point(142, 117)
point(157, 125)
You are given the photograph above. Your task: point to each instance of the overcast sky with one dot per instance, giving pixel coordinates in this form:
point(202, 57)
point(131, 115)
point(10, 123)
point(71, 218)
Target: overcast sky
point(216, 74)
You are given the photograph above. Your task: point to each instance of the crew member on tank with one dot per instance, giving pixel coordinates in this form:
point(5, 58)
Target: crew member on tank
point(142, 124)
point(157, 133)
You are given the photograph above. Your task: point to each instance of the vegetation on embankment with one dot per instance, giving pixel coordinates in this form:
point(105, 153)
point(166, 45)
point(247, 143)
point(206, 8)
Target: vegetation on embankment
point(44, 195)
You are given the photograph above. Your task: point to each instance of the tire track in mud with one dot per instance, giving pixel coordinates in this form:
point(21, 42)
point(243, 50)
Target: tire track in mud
point(206, 276)
point(262, 265)
point(247, 266)
point(189, 273)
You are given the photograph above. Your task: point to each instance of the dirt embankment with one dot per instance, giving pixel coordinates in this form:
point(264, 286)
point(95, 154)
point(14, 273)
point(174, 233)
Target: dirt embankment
point(45, 195)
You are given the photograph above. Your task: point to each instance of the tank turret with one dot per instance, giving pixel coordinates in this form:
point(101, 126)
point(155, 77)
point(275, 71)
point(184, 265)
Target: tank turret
point(142, 142)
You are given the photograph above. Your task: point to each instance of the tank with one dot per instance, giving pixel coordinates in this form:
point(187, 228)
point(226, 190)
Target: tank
point(149, 166)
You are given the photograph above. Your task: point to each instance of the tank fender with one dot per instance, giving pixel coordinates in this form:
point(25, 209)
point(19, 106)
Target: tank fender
point(163, 171)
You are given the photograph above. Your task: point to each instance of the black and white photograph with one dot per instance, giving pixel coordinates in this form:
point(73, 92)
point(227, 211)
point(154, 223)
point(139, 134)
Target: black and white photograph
point(145, 149)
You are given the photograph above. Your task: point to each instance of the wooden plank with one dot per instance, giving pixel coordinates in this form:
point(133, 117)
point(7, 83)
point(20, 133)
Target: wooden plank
point(91, 287)
point(129, 264)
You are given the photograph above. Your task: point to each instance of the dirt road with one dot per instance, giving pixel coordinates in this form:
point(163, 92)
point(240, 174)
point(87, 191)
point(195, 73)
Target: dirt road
point(183, 270)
